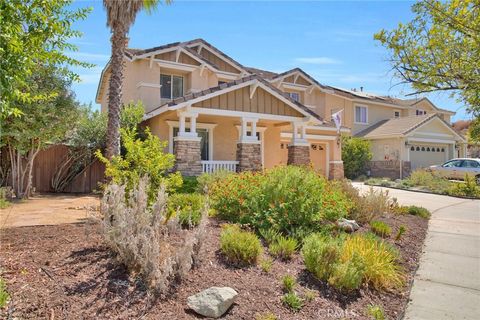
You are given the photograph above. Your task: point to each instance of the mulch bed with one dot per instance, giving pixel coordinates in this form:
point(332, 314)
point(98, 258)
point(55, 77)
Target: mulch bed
point(66, 272)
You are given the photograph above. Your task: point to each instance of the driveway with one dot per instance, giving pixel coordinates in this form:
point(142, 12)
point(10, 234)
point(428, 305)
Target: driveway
point(48, 210)
point(447, 283)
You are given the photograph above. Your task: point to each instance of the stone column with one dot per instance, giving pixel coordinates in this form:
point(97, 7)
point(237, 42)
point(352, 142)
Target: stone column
point(336, 170)
point(249, 156)
point(249, 153)
point(186, 147)
point(187, 156)
point(299, 149)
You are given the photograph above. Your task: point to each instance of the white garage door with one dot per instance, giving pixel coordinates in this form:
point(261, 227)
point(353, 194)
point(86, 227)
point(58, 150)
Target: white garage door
point(422, 156)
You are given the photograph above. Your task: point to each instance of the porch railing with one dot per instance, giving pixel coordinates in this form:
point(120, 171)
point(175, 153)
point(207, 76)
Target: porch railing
point(217, 165)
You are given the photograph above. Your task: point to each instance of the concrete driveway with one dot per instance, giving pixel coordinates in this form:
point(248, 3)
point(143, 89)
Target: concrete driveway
point(447, 283)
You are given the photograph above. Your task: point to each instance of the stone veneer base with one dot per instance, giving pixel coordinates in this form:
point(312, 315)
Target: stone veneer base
point(249, 156)
point(298, 155)
point(188, 156)
point(336, 170)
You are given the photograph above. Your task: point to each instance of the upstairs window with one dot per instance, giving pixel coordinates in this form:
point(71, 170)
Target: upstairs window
point(420, 112)
point(361, 115)
point(397, 114)
point(294, 95)
point(172, 86)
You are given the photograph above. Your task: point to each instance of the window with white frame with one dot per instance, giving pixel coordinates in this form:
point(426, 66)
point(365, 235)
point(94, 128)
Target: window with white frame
point(361, 115)
point(171, 86)
point(420, 112)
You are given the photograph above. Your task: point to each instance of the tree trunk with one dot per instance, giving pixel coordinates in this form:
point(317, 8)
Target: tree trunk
point(115, 90)
point(22, 170)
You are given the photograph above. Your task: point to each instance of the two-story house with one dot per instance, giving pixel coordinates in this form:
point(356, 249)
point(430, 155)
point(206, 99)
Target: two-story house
point(218, 114)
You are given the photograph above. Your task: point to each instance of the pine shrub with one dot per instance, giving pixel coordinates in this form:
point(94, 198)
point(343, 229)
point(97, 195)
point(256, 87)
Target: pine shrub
point(380, 228)
point(283, 247)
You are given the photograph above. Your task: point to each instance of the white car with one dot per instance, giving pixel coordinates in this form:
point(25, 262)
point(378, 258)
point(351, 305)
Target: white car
point(457, 168)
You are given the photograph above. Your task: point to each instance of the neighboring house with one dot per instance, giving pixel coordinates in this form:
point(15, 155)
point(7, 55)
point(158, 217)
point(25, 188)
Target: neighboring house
point(218, 114)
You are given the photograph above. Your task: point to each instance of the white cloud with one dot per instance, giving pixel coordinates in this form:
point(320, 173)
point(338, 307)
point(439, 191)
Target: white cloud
point(318, 60)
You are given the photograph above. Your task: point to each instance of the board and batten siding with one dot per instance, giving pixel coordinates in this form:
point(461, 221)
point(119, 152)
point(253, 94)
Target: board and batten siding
point(239, 100)
point(182, 58)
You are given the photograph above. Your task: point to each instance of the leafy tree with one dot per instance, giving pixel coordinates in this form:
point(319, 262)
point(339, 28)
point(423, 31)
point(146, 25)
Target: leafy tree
point(439, 49)
point(43, 122)
point(355, 155)
point(120, 17)
point(87, 136)
point(34, 32)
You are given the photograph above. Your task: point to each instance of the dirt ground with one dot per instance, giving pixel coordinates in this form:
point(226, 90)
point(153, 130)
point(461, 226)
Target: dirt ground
point(48, 209)
point(66, 272)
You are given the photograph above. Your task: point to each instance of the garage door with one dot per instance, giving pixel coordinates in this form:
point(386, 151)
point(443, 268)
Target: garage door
point(422, 156)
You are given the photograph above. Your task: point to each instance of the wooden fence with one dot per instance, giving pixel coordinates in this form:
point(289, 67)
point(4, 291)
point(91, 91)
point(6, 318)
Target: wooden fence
point(46, 164)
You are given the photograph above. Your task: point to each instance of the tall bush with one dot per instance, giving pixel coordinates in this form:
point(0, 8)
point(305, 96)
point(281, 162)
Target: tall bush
point(144, 237)
point(355, 155)
point(142, 157)
point(292, 200)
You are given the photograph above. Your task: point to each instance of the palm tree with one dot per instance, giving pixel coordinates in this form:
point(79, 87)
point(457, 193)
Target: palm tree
point(120, 16)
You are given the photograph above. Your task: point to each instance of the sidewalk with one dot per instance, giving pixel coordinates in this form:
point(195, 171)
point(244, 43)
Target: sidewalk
point(447, 283)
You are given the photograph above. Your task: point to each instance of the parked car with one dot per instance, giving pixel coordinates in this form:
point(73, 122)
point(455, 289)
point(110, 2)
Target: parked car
point(457, 168)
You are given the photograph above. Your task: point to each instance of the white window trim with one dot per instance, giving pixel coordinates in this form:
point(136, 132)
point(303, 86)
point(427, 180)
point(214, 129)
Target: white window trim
point(355, 113)
point(176, 124)
point(171, 86)
point(260, 130)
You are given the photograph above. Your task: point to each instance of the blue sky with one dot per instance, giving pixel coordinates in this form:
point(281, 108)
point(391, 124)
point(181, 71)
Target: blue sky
point(332, 41)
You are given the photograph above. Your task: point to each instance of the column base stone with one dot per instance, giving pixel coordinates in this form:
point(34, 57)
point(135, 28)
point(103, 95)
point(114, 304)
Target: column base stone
point(336, 170)
point(249, 156)
point(187, 156)
point(298, 155)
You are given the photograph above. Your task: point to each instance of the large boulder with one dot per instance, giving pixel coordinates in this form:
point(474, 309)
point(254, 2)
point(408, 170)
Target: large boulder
point(347, 225)
point(212, 302)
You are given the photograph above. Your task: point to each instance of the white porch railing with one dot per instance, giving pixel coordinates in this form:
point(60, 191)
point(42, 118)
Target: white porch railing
point(212, 166)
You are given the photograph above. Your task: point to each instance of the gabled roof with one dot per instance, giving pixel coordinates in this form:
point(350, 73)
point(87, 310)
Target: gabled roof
point(400, 126)
point(218, 90)
point(303, 73)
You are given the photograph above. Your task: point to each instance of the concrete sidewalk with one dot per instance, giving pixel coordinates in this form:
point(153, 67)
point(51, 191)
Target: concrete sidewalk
point(447, 283)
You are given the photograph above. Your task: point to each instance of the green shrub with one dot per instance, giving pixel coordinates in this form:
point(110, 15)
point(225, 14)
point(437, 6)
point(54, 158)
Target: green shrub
point(429, 180)
point(240, 247)
point(188, 206)
point(270, 235)
point(400, 232)
point(3, 198)
point(207, 180)
point(266, 316)
point(190, 185)
point(283, 247)
point(310, 295)
point(468, 188)
point(292, 301)
point(266, 265)
point(376, 312)
point(380, 228)
point(142, 158)
point(378, 258)
point(289, 283)
point(348, 275)
point(355, 155)
point(293, 200)
point(4, 296)
point(320, 253)
point(418, 211)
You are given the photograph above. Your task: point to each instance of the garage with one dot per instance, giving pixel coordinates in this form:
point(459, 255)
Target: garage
point(425, 155)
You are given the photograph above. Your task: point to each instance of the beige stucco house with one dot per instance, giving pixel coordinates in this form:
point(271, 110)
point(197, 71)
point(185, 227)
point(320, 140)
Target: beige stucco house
point(218, 114)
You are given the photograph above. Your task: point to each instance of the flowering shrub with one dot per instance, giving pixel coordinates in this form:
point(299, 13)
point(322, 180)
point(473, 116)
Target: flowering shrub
point(188, 207)
point(292, 200)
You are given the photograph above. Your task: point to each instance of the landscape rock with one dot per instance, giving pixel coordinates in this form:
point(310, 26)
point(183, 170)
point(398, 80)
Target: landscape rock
point(347, 225)
point(212, 302)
